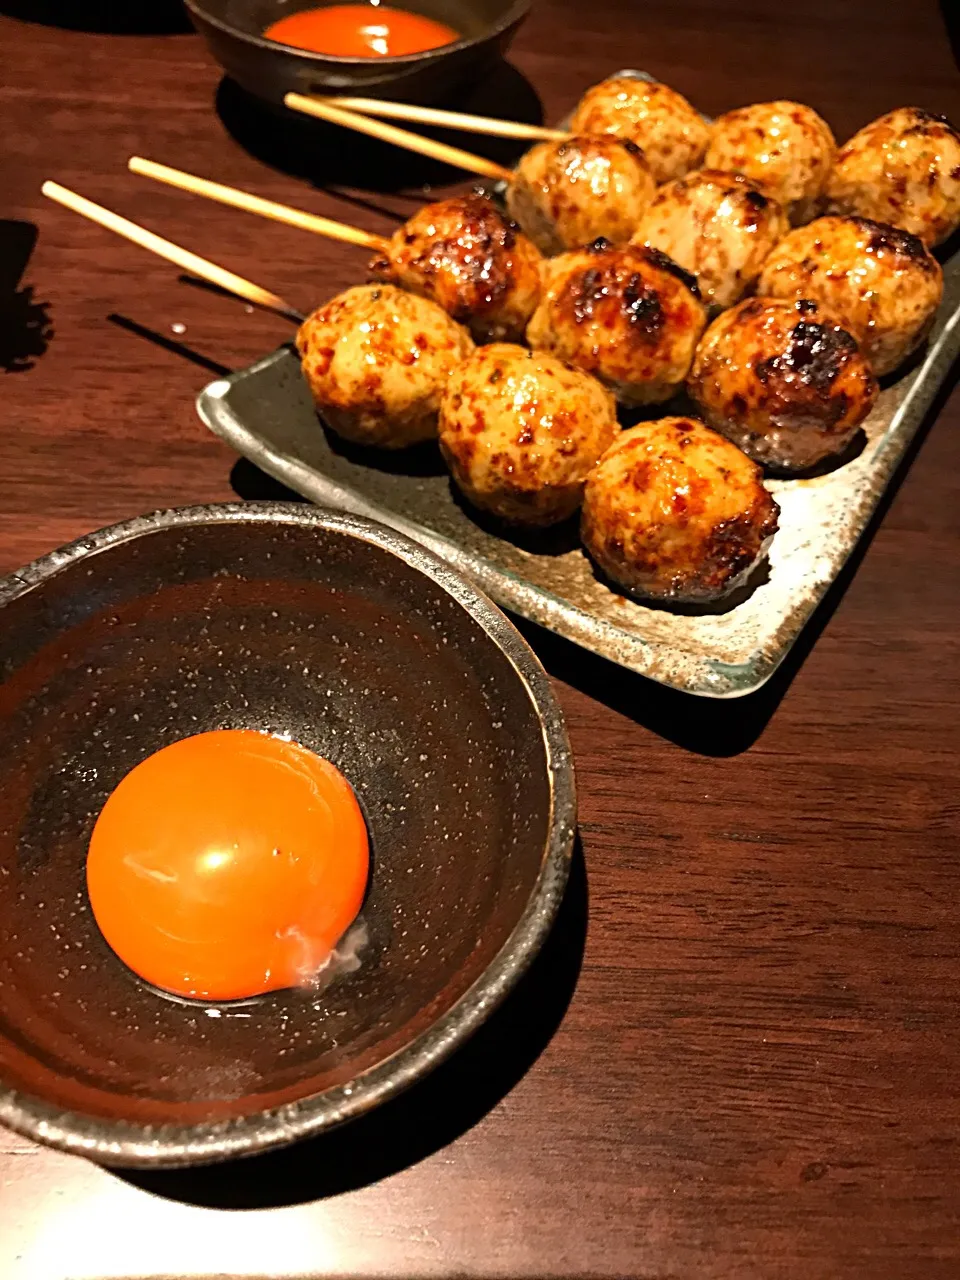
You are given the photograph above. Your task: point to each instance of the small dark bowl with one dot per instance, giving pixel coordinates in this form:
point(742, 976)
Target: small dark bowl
point(233, 29)
point(366, 648)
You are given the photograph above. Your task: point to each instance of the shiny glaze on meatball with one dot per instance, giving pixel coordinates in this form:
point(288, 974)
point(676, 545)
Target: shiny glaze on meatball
point(465, 255)
point(657, 118)
point(783, 381)
point(520, 430)
point(674, 512)
point(629, 316)
point(376, 360)
point(903, 169)
point(717, 226)
point(784, 148)
point(880, 283)
point(568, 194)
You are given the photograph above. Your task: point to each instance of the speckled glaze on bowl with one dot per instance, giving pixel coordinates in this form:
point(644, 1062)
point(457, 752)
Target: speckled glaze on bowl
point(233, 30)
point(364, 647)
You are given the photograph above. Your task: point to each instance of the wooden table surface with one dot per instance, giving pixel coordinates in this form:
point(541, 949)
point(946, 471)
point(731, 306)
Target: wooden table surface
point(754, 1072)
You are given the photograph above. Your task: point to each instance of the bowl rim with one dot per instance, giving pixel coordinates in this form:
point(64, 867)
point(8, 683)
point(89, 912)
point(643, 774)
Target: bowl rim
point(516, 12)
point(128, 1143)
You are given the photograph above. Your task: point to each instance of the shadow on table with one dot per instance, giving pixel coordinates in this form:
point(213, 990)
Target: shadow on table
point(950, 11)
point(105, 17)
point(253, 485)
point(430, 1115)
point(329, 156)
point(25, 328)
point(169, 344)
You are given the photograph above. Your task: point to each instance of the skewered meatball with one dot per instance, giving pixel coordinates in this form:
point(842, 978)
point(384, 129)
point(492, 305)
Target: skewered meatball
point(657, 118)
point(672, 511)
point(783, 381)
point(520, 430)
point(784, 148)
point(629, 316)
point(717, 226)
point(465, 255)
point(568, 194)
point(877, 281)
point(376, 360)
point(903, 169)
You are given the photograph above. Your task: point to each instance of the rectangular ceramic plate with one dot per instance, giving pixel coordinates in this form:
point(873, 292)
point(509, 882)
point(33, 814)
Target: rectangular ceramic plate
point(265, 412)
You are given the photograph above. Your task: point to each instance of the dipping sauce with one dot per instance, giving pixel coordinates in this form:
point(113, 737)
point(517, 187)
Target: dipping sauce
point(228, 864)
point(360, 31)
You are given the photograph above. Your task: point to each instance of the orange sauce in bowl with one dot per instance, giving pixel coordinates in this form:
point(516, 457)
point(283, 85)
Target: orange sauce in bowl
point(360, 31)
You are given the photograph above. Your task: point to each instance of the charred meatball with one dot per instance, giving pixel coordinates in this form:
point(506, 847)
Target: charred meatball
point(674, 512)
point(520, 430)
point(880, 283)
point(657, 118)
point(783, 381)
point(903, 169)
point(568, 194)
point(716, 225)
point(784, 148)
point(465, 255)
point(629, 316)
point(376, 360)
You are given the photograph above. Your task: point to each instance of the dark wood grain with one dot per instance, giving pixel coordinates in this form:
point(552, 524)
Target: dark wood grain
point(757, 1073)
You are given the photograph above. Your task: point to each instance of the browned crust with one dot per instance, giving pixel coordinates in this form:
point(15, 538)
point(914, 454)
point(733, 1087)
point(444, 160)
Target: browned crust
point(470, 270)
point(649, 566)
point(884, 237)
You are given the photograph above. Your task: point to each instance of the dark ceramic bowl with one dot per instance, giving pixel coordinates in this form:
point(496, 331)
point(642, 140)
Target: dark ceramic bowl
point(234, 31)
point(366, 648)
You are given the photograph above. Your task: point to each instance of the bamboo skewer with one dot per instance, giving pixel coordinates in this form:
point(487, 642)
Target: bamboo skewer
point(324, 110)
point(191, 262)
point(448, 119)
point(256, 204)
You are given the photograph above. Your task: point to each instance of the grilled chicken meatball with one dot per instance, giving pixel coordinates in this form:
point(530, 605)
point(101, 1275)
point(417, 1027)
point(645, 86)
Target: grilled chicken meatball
point(657, 118)
point(880, 283)
point(520, 430)
point(674, 512)
point(717, 226)
point(783, 381)
point(629, 316)
point(568, 194)
point(376, 360)
point(465, 255)
point(784, 148)
point(903, 169)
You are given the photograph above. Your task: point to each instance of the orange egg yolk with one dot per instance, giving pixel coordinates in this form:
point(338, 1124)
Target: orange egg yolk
point(360, 31)
point(228, 864)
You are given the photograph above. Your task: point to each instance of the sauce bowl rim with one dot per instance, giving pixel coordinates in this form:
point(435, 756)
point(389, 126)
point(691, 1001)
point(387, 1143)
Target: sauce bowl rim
point(514, 13)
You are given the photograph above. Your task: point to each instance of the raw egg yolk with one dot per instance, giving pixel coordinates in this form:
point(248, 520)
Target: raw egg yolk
point(228, 864)
point(360, 31)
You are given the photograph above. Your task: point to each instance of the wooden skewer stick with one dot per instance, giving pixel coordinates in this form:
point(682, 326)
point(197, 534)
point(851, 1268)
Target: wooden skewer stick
point(255, 204)
point(191, 262)
point(324, 110)
point(449, 119)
